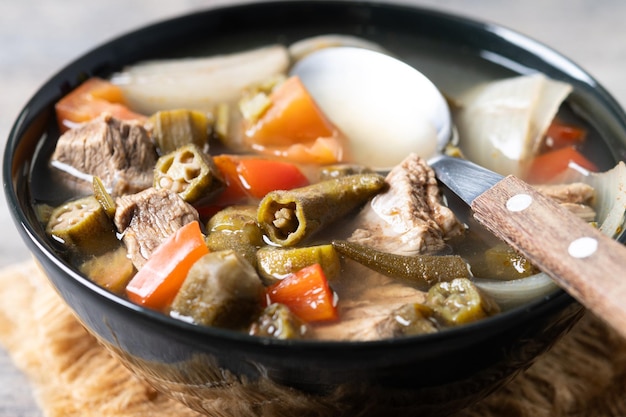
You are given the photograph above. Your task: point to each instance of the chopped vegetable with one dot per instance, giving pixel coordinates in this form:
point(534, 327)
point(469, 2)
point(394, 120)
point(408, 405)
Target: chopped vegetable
point(189, 172)
point(235, 191)
point(293, 126)
point(458, 302)
point(260, 176)
point(303, 47)
point(503, 122)
point(158, 281)
point(112, 270)
point(236, 228)
point(425, 270)
point(288, 217)
point(222, 290)
point(503, 262)
point(560, 134)
point(278, 322)
point(103, 197)
point(82, 225)
point(249, 179)
point(549, 165)
point(277, 263)
point(89, 100)
point(307, 294)
point(172, 129)
point(408, 320)
point(198, 82)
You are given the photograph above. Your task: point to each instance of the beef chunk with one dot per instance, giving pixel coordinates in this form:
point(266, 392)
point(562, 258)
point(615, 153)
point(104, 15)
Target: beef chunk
point(369, 311)
point(121, 153)
point(575, 193)
point(147, 218)
point(577, 197)
point(408, 218)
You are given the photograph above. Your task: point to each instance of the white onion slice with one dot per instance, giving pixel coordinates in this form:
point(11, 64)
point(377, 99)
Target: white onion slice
point(501, 123)
point(303, 47)
point(198, 83)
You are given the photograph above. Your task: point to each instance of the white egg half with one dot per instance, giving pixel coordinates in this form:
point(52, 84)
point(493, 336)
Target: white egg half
point(385, 107)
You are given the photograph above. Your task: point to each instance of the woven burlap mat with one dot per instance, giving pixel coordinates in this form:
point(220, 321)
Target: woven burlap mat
point(72, 376)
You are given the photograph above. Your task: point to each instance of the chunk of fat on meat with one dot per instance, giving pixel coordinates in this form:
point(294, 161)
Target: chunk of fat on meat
point(409, 217)
point(363, 316)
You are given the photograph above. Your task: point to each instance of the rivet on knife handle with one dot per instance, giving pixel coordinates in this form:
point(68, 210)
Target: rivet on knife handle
point(587, 264)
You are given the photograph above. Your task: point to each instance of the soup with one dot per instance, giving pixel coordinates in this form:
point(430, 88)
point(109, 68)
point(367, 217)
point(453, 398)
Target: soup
point(241, 206)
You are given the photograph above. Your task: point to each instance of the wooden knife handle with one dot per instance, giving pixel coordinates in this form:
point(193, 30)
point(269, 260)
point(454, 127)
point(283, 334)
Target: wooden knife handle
point(590, 266)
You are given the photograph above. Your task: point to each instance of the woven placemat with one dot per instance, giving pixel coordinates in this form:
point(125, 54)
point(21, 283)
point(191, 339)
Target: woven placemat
point(72, 376)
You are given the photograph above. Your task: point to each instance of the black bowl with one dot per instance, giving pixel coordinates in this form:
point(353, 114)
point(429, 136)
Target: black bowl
point(206, 367)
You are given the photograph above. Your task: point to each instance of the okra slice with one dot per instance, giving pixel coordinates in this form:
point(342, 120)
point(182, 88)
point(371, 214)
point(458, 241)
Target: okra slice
point(103, 197)
point(408, 320)
point(189, 172)
point(82, 226)
point(222, 290)
point(276, 263)
point(172, 129)
point(111, 270)
point(289, 217)
point(504, 262)
point(236, 228)
point(278, 322)
point(423, 270)
point(458, 302)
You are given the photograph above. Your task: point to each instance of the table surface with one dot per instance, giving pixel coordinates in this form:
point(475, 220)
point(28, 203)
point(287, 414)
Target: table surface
point(38, 38)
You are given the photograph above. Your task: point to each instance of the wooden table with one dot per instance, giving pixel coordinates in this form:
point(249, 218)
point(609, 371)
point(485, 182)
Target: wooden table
point(38, 38)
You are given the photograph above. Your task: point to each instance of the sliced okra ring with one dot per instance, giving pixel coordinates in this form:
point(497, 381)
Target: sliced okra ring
point(190, 172)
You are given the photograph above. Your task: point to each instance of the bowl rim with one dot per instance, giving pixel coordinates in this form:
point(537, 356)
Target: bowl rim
point(49, 91)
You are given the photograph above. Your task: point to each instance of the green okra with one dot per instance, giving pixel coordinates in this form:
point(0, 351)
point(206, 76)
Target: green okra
point(190, 172)
point(424, 270)
point(290, 217)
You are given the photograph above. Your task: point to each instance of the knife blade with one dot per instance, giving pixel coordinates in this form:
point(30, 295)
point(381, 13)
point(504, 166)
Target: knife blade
point(455, 172)
point(587, 264)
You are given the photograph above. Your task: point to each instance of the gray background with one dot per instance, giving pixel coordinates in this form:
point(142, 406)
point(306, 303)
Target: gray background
point(37, 38)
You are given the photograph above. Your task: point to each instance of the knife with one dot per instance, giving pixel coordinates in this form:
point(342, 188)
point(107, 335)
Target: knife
point(587, 264)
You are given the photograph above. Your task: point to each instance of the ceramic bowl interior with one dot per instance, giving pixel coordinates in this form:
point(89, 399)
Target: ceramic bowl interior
point(432, 375)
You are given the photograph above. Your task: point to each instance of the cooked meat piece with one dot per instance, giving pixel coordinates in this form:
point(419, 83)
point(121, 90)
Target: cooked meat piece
point(577, 193)
point(583, 211)
point(576, 197)
point(366, 314)
point(120, 153)
point(409, 217)
point(147, 218)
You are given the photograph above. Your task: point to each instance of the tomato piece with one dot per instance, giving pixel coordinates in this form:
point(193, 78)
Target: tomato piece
point(89, 100)
point(560, 134)
point(547, 166)
point(294, 119)
point(234, 192)
point(248, 179)
point(307, 294)
point(157, 283)
point(260, 176)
